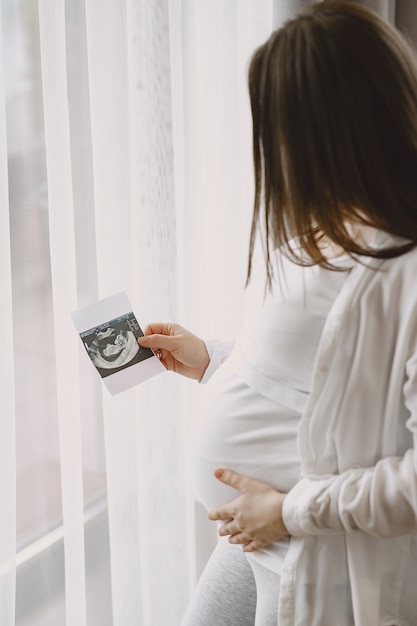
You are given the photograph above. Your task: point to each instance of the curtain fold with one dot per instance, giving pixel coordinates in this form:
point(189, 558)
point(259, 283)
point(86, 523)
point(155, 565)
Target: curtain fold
point(7, 422)
point(108, 84)
point(213, 153)
point(217, 40)
point(161, 437)
point(64, 294)
point(130, 110)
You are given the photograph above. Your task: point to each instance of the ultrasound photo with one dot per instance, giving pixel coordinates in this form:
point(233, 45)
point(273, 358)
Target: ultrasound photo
point(109, 331)
point(113, 345)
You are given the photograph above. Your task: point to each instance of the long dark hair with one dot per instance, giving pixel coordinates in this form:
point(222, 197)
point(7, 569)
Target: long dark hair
point(334, 108)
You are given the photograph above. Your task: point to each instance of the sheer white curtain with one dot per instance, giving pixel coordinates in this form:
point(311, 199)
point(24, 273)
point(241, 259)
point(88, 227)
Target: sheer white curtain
point(125, 160)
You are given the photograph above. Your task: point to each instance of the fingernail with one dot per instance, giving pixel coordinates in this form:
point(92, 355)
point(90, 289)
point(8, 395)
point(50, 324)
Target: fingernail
point(219, 473)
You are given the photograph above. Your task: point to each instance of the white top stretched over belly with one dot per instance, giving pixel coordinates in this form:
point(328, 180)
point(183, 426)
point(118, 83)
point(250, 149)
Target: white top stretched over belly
point(253, 403)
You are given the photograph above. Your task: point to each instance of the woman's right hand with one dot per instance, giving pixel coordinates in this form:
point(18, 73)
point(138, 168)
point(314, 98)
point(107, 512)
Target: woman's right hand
point(181, 351)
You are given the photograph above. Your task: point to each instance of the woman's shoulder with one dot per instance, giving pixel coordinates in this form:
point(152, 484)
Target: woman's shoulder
point(392, 281)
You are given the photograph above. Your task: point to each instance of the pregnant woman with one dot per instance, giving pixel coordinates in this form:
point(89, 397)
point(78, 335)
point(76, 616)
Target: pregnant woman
point(308, 455)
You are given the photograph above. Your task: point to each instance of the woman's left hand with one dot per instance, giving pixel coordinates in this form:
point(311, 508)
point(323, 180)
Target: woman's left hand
point(253, 519)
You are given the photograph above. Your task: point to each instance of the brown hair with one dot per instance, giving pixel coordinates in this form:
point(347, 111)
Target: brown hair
point(334, 109)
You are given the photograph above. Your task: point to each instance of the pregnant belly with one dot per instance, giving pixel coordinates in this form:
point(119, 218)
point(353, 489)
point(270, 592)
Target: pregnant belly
point(246, 432)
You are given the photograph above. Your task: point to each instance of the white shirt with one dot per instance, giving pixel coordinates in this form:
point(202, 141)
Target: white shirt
point(253, 403)
point(352, 518)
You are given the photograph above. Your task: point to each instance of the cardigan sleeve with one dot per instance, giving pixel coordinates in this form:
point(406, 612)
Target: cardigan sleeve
point(379, 500)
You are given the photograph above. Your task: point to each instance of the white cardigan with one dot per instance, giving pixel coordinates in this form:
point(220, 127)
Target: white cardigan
point(353, 515)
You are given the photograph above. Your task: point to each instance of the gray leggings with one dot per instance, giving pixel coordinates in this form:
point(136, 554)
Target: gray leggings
point(231, 592)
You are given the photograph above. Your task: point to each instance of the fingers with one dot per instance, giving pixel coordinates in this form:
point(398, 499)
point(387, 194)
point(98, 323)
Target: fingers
point(229, 528)
point(221, 514)
point(252, 546)
point(231, 478)
point(239, 537)
point(157, 344)
point(157, 341)
point(159, 328)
